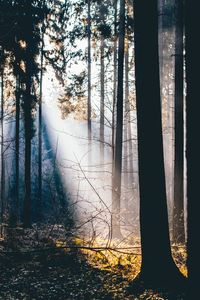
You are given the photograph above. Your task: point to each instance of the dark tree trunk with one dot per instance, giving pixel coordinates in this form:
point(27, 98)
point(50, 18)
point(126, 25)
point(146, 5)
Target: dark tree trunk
point(28, 104)
point(178, 209)
point(89, 71)
point(116, 233)
point(39, 204)
point(158, 267)
point(17, 126)
point(114, 79)
point(27, 161)
point(193, 145)
point(114, 102)
point(160, 32)
point(28, 121)
point(2, 148)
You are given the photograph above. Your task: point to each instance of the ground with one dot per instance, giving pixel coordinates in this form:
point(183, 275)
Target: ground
point(54, 272)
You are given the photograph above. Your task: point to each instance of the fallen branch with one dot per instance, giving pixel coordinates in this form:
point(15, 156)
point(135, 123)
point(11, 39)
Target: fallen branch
point(74, 248)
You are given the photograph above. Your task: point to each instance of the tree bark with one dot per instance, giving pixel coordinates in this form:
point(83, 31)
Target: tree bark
point(17, 126)
point(158, 268)
point(114, 102)
point(192, 144)
point(116, 232)
point(160, 31)
point(39, 204)
point(2, 148)
point(29, 61)
point(27, 161)
point(114, 80)
point(89, 71)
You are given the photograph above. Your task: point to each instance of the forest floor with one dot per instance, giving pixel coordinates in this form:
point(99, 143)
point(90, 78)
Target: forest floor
point(54, 272)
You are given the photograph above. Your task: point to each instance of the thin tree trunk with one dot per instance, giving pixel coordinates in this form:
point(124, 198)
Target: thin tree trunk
point(39, 204)
point(193, 145)
point(17, 126)
point(132, 184)
point(116, 232)
point(178, 209)
point(157, 262)
point(160, 31)
point(2, 149)
point(114, 103)
point(27, 161)
point(102, 95)
point(29, 62)
point(114, 79)
point(89, 72)
point(126, 123)
point(131, 178)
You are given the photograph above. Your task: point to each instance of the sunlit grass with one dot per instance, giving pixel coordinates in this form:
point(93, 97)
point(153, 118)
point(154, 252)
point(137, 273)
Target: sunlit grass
point(127, 258)
point(120, 257)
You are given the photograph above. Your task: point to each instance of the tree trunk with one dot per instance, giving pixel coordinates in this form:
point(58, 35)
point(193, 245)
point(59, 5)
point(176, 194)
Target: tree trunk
point(102, 95)
point(158, 268)
point(39, 204)
point(89, 72)
point(114, 102)
point(116, 232)
point(27, 161)
point(17, 127)
point(193, 145)
point(131, 176)
point(178, 209)
point(2, 148)
point(28, 103)
point(126, 124)
point(114, 80)
point(160, 31)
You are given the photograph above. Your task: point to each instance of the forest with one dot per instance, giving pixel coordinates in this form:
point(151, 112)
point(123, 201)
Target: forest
point(99, 156)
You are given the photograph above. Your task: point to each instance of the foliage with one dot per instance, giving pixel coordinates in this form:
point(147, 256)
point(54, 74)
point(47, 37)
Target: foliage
point(21, 44)
point(74, 101)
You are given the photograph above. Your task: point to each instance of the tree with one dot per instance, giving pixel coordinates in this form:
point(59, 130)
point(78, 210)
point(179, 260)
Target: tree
point(104, 31)
point(114, 107)
point(114, 80)
point(39, 204)
point(160, 32)
point(27, 134)
point(2, 136)
point(126, 115)
point(89, 69)
point(17, 72)
point(17, 128)
point(30, 39)
point(127, 144)
point(102, 96)
point(178, 209)
point(192, 144)
point(116, 233)
point(158, 268)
